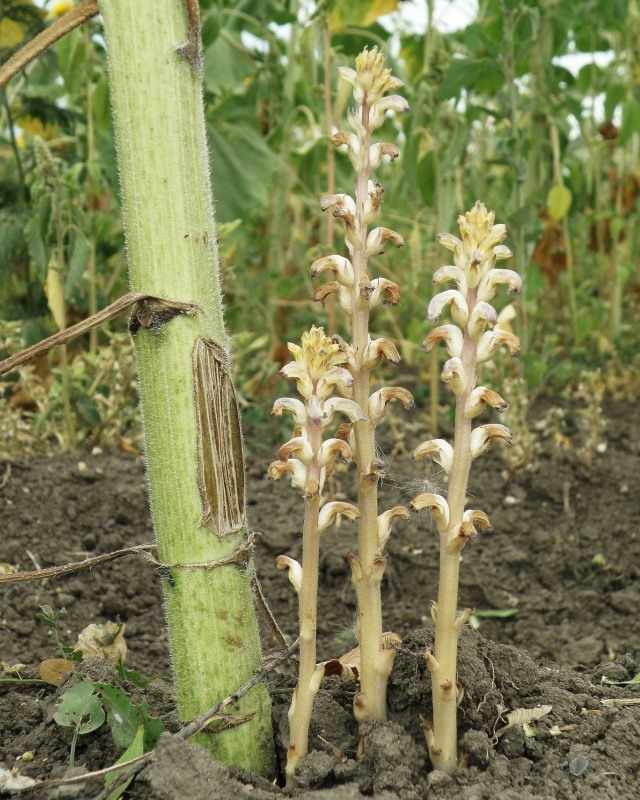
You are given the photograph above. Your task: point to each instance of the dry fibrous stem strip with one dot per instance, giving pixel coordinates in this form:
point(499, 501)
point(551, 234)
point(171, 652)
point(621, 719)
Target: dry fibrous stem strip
point(190, 729)
point(240, 557)
point(80, 328)
point(76, 566)
point(43, 41)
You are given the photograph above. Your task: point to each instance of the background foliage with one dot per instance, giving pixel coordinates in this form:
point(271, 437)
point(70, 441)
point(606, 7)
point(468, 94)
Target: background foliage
point(532, 107)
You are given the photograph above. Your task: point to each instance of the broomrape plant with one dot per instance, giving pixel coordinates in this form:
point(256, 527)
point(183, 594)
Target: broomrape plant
point(472, 338)
point(318, 368)
point(358, 294)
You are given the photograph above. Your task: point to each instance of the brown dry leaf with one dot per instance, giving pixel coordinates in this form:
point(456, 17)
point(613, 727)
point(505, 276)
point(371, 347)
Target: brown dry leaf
point(52, 670)
point(126, 445)
point(11, 669)
point(523, 716)
point(105, 641)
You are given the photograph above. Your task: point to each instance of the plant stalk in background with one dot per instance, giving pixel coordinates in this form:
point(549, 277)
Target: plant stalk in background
point(472, 338)
point(193, 443)
point(358, 294)
point(318, 368)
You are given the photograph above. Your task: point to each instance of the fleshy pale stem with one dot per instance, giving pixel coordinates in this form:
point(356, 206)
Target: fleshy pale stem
point(444, 748)
point(371, 703)
point(167, 205)
point(307, 688)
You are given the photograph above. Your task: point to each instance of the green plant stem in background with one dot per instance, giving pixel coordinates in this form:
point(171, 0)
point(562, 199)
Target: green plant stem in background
point(168, 213)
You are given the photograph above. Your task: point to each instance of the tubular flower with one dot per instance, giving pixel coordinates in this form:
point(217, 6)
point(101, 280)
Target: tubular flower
point(384, 523)
point(436, 504)
point(454, 374)
point(439, 450)
point(483, 434)
point(459, 307)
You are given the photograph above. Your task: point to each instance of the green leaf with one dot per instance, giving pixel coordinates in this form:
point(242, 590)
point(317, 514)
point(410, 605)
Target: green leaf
point(483, 75)
point(496, 613)
point(630, 120)
point(80, 708)
point(607, 682)
point(241, 168)
point(35, 234)
point(211, 25)
point(559, 202)
point(124, 717)
point(135, 749)
point(615, 94)
point(225, 69)
point(78, 261)
point(130, 674)
point(72, 58)
point(359, 13)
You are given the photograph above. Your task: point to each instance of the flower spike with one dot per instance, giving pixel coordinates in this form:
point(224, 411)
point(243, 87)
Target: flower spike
point(468, 344)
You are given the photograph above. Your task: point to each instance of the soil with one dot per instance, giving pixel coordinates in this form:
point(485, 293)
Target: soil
point(554, 586)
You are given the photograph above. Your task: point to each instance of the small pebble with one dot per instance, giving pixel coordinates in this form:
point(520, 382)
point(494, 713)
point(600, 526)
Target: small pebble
point(578, 766)
point(510, 500)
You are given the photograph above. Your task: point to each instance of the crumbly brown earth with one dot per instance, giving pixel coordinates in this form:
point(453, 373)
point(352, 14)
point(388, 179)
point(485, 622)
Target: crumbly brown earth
point(564, 554)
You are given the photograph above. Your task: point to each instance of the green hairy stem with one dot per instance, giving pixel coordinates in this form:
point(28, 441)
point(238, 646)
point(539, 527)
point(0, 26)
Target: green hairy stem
point(191, 426)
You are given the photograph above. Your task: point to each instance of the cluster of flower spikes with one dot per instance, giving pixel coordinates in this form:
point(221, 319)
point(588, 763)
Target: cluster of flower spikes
point(472, 338)
point(319, 373)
